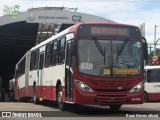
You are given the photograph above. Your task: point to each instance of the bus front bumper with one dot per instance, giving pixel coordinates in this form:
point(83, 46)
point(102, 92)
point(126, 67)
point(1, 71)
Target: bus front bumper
point(107, 98)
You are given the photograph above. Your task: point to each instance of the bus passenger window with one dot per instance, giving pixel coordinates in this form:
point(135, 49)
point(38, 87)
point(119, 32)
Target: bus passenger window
point(36, 59)
point(48, 55)
point(62, 50)
point(153, 76)
point(54, 53)
point(32, 62)
point(148, 75)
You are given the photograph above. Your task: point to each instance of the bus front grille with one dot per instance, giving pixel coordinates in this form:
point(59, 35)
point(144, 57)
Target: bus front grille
point(112, 83)
point(111, 90)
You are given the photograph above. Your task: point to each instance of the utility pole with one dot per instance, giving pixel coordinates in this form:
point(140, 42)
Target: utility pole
point(155, 42)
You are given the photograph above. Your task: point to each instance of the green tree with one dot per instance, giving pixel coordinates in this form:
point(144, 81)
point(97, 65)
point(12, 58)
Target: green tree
point(158, 54)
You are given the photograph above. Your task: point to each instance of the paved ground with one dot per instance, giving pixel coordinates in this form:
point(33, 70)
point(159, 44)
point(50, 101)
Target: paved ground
point(80, 112)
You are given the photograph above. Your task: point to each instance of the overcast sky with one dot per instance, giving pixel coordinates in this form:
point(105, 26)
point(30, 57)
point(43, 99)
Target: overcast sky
point(133, 12)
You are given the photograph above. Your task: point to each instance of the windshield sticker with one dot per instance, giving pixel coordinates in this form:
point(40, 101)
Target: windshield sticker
point(125, 71)
point(138, 44)
point(86, 66)
point(106, 71)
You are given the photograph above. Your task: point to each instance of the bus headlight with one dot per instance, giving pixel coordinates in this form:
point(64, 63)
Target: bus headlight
point(137, 88)
point(82, 86)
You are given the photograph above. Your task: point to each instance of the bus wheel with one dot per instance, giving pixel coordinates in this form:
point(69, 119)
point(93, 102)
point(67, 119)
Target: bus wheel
point(35, 99)
point(115, 107)
point(145, 97)
point(61, 104)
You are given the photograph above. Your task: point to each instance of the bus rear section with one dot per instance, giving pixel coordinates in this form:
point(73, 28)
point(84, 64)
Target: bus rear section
point(152, 83)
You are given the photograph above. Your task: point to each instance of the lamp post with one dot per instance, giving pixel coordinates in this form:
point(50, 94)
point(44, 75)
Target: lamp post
point(155, 42)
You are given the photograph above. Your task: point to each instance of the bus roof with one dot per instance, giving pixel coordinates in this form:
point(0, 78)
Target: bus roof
point(109, 23)
point(151, 67)
point(73, 28)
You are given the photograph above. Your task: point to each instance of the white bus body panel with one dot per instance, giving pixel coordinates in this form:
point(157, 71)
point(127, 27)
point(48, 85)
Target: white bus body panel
point(21, 81)
point(152, 87)
point(53, 74)
point(33, 76)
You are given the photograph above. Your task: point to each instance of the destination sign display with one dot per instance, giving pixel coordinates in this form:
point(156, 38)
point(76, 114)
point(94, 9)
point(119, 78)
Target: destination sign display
point(125, 71)
point(108, 30)
point(121, 71)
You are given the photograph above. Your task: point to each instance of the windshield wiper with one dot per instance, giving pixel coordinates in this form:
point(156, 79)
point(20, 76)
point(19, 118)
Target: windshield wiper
point(122, 47)
point(99, 47)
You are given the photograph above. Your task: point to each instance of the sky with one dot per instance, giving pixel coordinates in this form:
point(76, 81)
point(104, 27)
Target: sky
point(134, 12)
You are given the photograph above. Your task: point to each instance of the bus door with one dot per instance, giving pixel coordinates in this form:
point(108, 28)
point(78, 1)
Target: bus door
point(40, 72)
point(69, 72)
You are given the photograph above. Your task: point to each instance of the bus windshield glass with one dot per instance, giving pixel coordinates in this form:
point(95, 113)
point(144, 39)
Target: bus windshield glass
point(120, 57)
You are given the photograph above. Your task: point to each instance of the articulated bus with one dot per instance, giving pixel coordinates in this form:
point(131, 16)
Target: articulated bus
point(88, 63)
point(152, 83)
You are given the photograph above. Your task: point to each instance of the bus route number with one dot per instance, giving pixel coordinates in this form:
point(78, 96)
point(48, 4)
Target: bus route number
point(77, 18)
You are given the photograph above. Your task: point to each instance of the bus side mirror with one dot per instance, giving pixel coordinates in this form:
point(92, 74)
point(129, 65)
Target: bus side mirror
point(145, 49)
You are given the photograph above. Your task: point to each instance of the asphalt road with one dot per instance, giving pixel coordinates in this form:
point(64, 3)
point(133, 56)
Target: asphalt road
point(49, 110)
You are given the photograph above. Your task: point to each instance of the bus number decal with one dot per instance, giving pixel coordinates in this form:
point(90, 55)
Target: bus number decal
point(106, 71)
point(86, 66)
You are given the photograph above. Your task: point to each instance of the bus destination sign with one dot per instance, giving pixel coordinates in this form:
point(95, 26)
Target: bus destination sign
point(113, 31)
point(109, 31)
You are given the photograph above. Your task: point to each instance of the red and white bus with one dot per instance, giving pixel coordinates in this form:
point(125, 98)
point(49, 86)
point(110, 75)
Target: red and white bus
point(88, 63)
point(152, 83)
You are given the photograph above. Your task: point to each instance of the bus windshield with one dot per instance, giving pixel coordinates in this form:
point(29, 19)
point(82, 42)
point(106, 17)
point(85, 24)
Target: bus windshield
point(120, 57)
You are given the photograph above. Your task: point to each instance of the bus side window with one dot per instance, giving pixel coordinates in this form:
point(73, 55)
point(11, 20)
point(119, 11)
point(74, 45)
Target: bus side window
point(36, 59)
point(155, 75)
point(148, 75)
point(32, 61)
point(145, 76)
point(21, 67)
point(62, 43)
point(48, 55)
point(54, 53)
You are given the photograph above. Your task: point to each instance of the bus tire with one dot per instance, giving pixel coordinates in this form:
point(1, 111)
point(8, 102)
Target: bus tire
point(62, 106)
point(145, 97)
point(35, 99)
point(115, 107)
